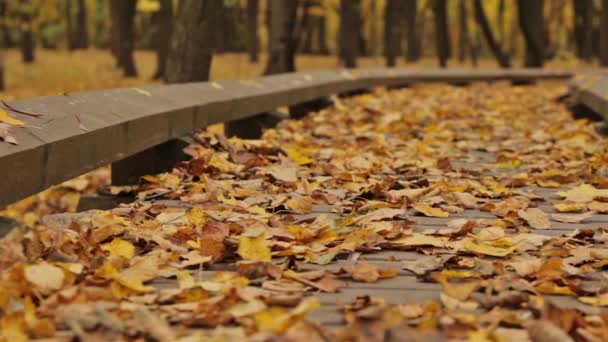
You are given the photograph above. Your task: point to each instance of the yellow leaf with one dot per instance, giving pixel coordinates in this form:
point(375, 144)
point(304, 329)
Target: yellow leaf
point(4, 117)
point(583, 193)
point(427, 210)
point(417, 239)
point(108, 271)
point(278, 320)
point(300, 156)
point(254, 248)
point(197, 216)
point(488, 250)
point(601, 300)
point(299, 205)
point(565, 207)
point(185, 280)
point(549, 287)
point(119, 247)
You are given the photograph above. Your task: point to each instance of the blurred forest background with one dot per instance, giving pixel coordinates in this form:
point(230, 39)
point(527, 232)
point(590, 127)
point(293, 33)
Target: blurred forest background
point(55, 46)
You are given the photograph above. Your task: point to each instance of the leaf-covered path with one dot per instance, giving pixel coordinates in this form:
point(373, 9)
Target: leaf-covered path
point(466, 213)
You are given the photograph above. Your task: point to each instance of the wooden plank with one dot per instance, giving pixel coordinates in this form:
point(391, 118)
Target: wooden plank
point(121, 122)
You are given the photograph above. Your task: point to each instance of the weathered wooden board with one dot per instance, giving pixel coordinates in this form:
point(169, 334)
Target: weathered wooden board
point(81, 131)
point(591, 90)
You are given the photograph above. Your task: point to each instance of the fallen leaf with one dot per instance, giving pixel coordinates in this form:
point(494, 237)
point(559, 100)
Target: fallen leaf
point(424, 264)
point(601, 300)
point(455, 304)
point(583, 193)
point(546, 331)
point(6, 118)
point(569, 207)
point(525, 266)
point(119, 247)
point(601, 207)
point(535, 217)
point(299, 205)
point(482, 248)
point(44, 276)
point(573, 218)
point(418, 239)
point(286, 174)
point(427, 210)
point(254, 248)
point(5, 134)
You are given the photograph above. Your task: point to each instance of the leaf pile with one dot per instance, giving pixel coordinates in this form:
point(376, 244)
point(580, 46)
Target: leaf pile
point(243, 238)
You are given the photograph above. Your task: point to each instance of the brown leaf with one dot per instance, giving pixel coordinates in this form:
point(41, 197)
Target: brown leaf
point(546, 331)
point(535, 217)
point(573, 218)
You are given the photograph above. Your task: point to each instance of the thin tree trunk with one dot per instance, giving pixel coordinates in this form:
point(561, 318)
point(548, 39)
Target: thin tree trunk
point(482, 20)
point(124, 31)
point(115, 31)
point(442, 38)
point(164, 26)
point(100, 6)
point(322, 35)
point(27, 36)
point(82, 37)
point(349, 33)
point(392, 31)
point(3, 8)
point(253, 41)
point(463, 34)
point(191, 42)
point(583, 28)
point(501, 21)
point(413, 45)
point(531, 22)
point(69, 25)
point(282, 43)
point(604, 34)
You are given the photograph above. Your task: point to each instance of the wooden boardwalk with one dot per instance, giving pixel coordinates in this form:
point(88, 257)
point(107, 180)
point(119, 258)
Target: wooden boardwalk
point(489, 143)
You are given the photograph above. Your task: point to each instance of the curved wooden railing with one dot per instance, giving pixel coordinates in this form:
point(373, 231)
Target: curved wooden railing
point(79, 132)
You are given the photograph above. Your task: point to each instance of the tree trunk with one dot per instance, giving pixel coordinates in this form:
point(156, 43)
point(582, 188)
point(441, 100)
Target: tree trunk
point(281, 42)
point(463, 33)
point(82, 33)
point(442, 37)
point(27, 36)
point(253, 39)
point(604, 34)
point(532, 24)
point(124, 34)
point(69, 26)
point(392, 31)
point(349, 32)
point(3, 8)
point(100, 6)
point(583, 28)
point(482, 20)
point(322, 35)
point(164, 27)
point(191, 42)
point(413, 45)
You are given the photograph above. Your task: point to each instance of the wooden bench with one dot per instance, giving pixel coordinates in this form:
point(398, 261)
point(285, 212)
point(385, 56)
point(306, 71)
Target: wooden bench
point(79, 132)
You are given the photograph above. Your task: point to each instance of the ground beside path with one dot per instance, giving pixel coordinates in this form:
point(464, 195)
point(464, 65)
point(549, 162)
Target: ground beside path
point(433, 212)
